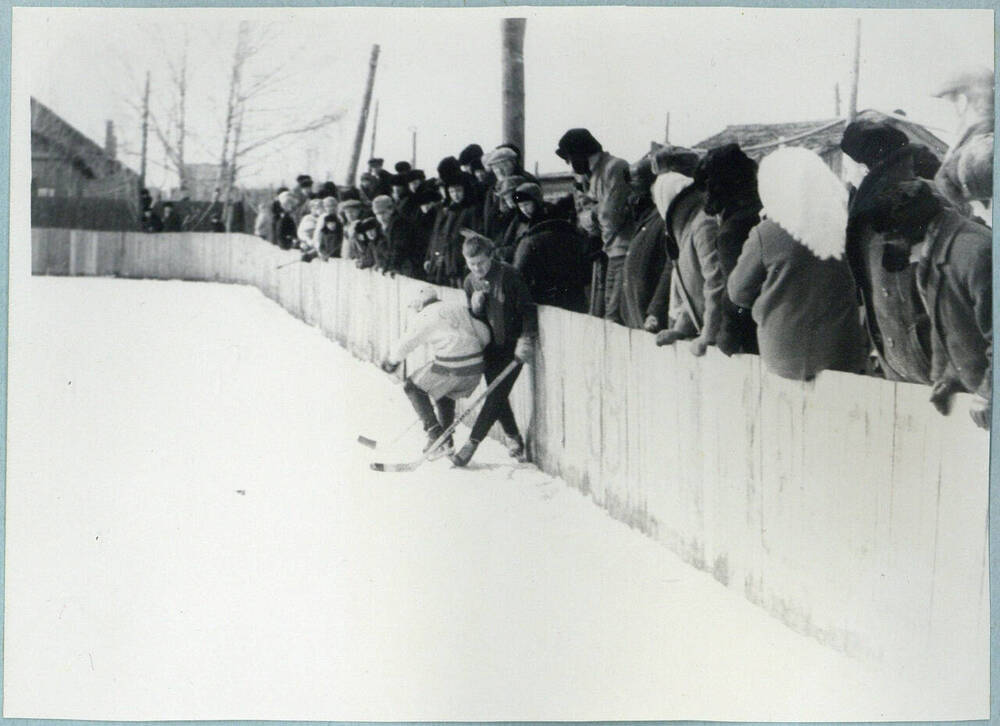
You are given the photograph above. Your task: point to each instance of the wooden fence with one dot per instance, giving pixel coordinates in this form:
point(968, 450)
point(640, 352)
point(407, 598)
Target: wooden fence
point(846, 506)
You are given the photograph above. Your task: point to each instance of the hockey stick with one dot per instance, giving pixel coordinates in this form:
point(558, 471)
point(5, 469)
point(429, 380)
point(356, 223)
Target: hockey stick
point(372, 443)
point(286, 264)
point(432, 449)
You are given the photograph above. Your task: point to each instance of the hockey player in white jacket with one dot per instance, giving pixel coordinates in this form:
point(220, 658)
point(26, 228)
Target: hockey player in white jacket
point(457, 340)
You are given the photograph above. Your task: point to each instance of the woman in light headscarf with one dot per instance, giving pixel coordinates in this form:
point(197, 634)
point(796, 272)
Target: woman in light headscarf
point(792, 273)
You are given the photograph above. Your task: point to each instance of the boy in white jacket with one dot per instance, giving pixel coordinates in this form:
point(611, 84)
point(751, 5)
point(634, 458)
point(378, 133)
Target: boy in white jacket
point(457, 340)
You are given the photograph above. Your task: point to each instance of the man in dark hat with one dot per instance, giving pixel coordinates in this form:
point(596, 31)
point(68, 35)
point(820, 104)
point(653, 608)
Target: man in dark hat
point(646, 257)
point(383, 176)
point(729, 178)
point(603, 209)
point(897, 324)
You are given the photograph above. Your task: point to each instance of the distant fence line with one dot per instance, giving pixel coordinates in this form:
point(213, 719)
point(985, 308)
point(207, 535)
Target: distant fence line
point(847, 507)
point(122, 215)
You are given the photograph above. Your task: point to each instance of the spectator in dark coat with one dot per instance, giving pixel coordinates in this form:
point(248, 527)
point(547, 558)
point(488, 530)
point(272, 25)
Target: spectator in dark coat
point(954, 278)
point(427, 201)
point(730, 180)
point(331, 237)
point(646, 255)
point(500, 164)
point(285, 228)
point(897, 324)
point(371, 187)
point(351, 212)
point(382, 177)
point(792, 272)
point(548, 254)
point(171, 219)
point(151, 221)
point(367, 241)
point(401, 252)
point(505, 241)
point(605, 208)
point(445, 264)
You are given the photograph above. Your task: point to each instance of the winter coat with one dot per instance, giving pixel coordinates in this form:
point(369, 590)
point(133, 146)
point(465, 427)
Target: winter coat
point(447, 266)
point(644, 266)
point(697, 284)
point(897, 323)
point(805, 308)
point(506, 242)
point(738, 331)
point(548, 256)
point(329, 241)
point(403, 254)
point(954, 276)
point(603, 208)
point(285, 230)
point(307, 229)
point(510, 311)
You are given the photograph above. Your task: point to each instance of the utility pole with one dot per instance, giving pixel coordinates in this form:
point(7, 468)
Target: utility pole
point(513, 81)
point(836, 100)
point(145, 134)
point(374, 129)
point(413, 145)
point(666, 131)
point(852, 109)
point(359, 136)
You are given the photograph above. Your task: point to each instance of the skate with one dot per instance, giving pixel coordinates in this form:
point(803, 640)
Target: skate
point(517, 449)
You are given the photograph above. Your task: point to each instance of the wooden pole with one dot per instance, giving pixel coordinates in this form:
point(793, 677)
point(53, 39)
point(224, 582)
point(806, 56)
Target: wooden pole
point(413, 146)
point(513, 81)
point(374, 129)
point(359, 136)
point(666, 130)
point(852, 109)
point(145, 135)
point(836, 100)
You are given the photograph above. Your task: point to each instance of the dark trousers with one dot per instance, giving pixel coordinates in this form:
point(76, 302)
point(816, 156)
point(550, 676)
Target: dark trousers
point(614, 280)
point(496, 407)
point(444, 416)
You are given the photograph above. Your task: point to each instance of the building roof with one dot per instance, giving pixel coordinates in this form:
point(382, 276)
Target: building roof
point(85, 154)
point(757, 140)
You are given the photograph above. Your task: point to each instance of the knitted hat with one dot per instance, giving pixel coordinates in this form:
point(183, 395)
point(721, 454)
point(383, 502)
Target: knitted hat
point(382, 204)
point(578, 142)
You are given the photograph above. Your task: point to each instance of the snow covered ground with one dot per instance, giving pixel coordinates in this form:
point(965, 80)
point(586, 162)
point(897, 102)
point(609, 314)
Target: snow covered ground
point(192, 532)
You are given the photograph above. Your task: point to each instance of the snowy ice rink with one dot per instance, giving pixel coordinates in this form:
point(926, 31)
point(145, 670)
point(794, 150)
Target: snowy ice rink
point(192, 532)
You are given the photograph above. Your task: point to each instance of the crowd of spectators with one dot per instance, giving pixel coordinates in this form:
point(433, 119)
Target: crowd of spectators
point(780, 258)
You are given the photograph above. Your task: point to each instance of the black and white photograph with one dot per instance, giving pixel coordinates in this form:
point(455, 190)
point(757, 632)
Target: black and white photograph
point(508, 363)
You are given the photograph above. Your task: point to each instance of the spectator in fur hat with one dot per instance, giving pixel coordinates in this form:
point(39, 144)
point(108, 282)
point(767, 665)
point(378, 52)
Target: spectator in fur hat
point(646, 256)
point(444, 263)
point(367, 236)
point(505, 241)
point(603, 209)
point(729, 178)
point(969, 162)
point(402, 253)
point(954, 264)
point(414, 178)
point(330, 236)
point(403, 167)
point(549, 253)
point(897, 324)
point(792, 272)
point(351, 212)
point(399, 187)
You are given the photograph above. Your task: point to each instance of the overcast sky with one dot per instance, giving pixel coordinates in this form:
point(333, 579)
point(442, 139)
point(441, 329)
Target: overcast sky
point(617, 71)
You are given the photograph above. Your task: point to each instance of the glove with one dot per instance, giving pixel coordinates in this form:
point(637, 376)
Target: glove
point(524, 351)
point(981, 412)
point(651, 324)
point(941, 395)
point(477, 303)
point(668, 337)
point(389, 366)
point(698, 346)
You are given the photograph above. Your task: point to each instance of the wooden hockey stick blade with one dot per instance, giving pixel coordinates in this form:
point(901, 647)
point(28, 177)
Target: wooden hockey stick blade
point(365, 441)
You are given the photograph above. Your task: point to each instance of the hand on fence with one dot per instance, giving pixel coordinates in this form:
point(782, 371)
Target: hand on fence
point(668, 337)
point(941, 395)
point(390, 366)
point(698, 346)
point(651, 324)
